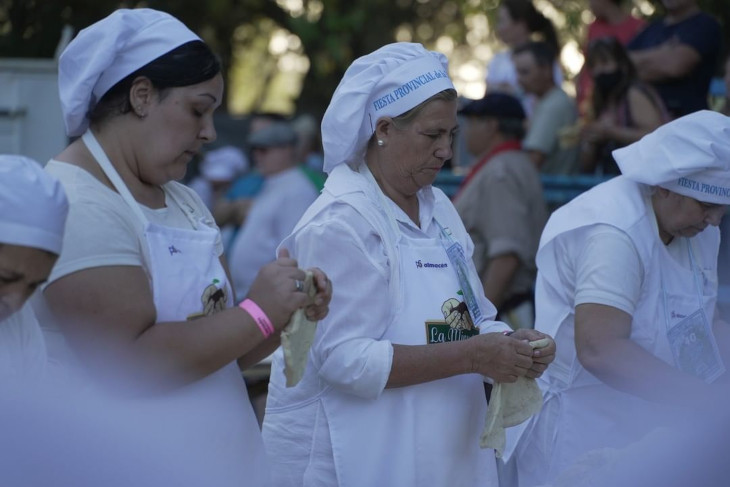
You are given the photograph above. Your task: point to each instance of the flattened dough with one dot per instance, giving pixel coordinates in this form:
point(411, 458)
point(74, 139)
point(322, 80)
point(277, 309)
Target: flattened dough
point(297, 337)
point(510, 405)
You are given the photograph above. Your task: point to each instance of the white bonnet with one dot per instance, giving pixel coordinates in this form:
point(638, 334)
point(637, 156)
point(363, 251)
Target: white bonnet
point(223, 164)
point(108, 51)
point(33, 205)
point(689, 156)
point(385, 83)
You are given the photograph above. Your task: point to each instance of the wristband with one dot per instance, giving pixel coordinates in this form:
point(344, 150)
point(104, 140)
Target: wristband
point(258, 315)
point(507, 332)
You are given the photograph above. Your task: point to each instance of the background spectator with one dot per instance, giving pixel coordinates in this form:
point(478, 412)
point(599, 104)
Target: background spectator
point(502, 206)
point(285, 195)
point(611, 21)
point(555, 111)
point(518, 22)
point(678, 55)
point(623, 109)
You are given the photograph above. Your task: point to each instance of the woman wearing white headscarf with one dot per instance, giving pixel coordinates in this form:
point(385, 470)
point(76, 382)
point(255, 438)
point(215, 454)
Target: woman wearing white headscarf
point(627, 284)
point(141, 291)
point(33, 210)
point(393, 390)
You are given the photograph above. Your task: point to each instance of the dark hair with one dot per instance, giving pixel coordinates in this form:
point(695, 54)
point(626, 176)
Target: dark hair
point(511, 127)
point(537, 23)
point(610, 49)
point(188, 64)
point(543, 52)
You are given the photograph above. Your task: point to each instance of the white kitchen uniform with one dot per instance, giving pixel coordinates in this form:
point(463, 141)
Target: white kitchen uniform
point(580, 412)
point(213, 414)
point(339, 425)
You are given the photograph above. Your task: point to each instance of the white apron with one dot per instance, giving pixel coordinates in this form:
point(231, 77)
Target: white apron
point(213, 415)
point(580, 413)
point(426, 434)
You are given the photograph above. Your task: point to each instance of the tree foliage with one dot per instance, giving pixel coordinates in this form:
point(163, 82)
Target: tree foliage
point(332, 32)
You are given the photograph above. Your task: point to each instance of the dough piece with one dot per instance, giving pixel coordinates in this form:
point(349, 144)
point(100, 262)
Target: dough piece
point(510, 405)
point(297, 337)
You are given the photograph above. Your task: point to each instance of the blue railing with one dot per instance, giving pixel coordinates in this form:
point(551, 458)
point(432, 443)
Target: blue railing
point(557, 188)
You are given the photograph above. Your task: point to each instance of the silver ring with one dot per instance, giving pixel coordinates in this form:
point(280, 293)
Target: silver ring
point(299, 284)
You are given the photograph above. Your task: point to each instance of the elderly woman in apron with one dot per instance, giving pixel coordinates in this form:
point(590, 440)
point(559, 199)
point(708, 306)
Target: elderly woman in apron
point(393, 389)
point(141, 294)
point(627, 283)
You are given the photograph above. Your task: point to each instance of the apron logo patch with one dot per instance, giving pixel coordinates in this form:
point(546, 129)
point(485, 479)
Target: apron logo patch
point(174, 250)
point(429, 265)
point(213, 300)
point(457, 324)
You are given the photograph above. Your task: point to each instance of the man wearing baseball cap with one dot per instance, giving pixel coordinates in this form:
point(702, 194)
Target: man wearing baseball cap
point(502, 206)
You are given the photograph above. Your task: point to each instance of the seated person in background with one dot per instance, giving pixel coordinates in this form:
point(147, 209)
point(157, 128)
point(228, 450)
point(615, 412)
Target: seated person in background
point(33, 211)
point(612, 20)
point(555, 110)
point(231, 208)
point(678, 55)
point(624, 109)
point(502, 206)
point(518, 22)
point(217, 171)
point(286, 193)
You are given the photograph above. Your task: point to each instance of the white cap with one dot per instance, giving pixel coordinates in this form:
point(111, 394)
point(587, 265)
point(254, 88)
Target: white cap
point(33, 205)
point(108, 51)
point(689, 156)
point(385, 83)
point(223, 164)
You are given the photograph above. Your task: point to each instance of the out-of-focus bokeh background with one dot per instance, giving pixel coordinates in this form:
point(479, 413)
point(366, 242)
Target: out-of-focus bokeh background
point(287, 56)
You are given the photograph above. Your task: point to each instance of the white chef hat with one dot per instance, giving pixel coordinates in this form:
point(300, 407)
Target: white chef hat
point(689, 156)
point(223, 164)
point(108, 51)
point(385, 83)
point(33, 205)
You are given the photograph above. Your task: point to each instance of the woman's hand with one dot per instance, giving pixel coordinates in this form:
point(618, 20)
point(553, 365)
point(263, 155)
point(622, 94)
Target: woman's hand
point(320, 307)
point(541, 357)
point(275, 290)
point(501, 357)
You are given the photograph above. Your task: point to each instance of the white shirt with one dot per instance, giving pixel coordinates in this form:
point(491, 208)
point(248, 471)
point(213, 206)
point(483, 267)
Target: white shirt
point(348, 353)
point(283, 199)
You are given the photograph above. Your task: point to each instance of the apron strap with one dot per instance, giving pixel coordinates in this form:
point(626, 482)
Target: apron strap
point(106, 165)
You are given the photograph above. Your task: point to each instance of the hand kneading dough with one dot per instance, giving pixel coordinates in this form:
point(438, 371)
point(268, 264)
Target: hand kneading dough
point(510, 405)
point(297, 337)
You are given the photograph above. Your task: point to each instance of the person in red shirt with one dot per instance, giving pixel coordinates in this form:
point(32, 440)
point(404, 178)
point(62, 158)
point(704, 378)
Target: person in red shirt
point(612, 20)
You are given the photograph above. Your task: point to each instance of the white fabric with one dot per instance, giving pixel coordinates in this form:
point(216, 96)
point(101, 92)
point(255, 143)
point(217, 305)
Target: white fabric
point(689, 156)
point(385, 83)
point(213, 414)
point(283, 199)
point(319, 432)
point(22, 348)
point(33, 205)
point(607, 270)
point(581, 413)
point(223, 164)
point(108, 51)
point(94, 206)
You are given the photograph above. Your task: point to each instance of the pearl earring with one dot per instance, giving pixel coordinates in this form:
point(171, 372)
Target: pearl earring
point(381, 142)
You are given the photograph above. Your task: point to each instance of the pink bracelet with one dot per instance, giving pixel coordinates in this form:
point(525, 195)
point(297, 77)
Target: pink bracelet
point(258, 315)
